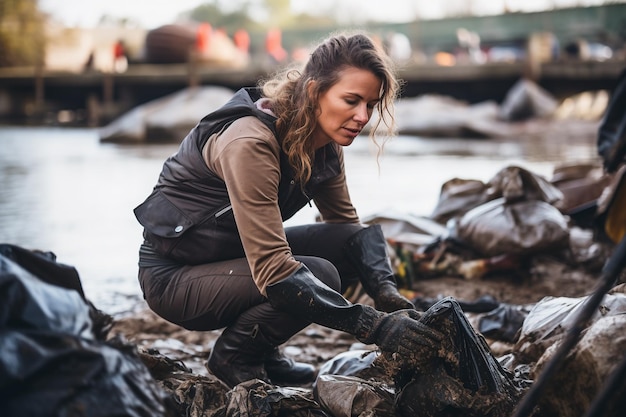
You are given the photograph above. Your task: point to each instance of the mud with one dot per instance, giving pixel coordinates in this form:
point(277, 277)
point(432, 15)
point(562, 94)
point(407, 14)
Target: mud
point(177, 357)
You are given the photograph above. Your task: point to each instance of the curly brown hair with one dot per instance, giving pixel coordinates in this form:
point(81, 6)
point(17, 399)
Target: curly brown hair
point(296, 105)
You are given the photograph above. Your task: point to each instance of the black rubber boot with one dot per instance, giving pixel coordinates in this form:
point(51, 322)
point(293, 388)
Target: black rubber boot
point(237, 356)
point(367, 251)
point(284, 370)
point(248, 349)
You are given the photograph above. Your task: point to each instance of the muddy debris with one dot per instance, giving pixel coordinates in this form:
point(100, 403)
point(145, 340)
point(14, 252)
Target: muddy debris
point(493, 308)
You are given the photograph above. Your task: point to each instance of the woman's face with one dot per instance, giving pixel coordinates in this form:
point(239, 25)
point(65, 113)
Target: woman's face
point(346, 107)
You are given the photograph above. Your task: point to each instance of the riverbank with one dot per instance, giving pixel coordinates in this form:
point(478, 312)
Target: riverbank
point(58, 181)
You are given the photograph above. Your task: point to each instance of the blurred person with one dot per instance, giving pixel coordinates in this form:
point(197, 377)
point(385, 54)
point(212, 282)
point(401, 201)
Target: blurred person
point(89, 63)
point(241, 38)
point(120, 59)
point(216, 253)
point(204, 35)
point(274, 46)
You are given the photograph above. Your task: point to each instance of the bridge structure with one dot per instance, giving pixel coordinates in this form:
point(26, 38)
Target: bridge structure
point(34, 95)
point(605, 23)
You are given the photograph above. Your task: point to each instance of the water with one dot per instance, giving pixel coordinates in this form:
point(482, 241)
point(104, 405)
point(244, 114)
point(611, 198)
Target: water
point(61, 190)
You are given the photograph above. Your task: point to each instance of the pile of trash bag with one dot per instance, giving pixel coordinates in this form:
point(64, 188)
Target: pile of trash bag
point(478, 228)
point(53, 360)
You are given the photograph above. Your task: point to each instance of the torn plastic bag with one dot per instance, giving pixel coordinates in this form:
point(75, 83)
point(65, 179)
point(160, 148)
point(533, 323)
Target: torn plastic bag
point(347, 396)
point(256, 398)
point(461, 378)
point(406, 226)
point(50, 361)
point(549, 320)
point(44, 266)
point(581, 185)
point(54, 374)
point(522, 228)
point(514, 183)
point(348, 385)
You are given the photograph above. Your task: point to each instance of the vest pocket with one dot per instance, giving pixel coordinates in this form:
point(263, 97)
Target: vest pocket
point(162, 218)
point(180, 237)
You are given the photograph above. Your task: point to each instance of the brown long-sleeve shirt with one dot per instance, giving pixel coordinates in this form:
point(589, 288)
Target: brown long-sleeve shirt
point(246, 156)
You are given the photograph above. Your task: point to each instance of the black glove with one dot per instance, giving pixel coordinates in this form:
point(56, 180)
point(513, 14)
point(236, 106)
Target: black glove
point(305, 296)
point(389, 299)
point(401, 332)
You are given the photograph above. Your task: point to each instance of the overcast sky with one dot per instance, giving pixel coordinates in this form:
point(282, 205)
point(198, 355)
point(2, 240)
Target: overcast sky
point(153, 13)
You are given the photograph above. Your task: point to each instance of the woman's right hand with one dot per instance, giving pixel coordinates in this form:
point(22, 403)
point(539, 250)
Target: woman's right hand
point(401, 332)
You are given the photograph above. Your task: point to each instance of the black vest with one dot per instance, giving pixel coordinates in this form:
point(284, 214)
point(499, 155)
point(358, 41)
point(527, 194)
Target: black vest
point(188, 216)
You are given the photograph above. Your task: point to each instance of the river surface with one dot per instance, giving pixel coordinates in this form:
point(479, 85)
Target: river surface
point(63, 191)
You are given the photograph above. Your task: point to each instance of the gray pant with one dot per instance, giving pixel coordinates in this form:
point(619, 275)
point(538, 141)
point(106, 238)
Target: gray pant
point(213, 296)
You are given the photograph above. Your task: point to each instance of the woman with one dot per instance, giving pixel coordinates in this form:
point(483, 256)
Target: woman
point(216, 254)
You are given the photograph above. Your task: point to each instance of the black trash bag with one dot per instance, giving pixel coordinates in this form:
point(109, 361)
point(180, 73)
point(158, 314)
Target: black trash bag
point(520, 217)
point(520, 228)
point(356, 363)
point(44, 266)
point(461, 379)
point(502, 323)
point(51, 362)
point(28, 303)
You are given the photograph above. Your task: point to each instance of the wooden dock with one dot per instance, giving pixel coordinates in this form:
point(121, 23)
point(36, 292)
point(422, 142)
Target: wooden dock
point(94, 98)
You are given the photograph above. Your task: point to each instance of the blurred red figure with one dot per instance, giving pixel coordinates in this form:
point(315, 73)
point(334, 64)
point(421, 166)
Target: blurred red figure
point(120, 61)
point(242, 40)
point(273, 45)
point(203, 37)
point(118, 49)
